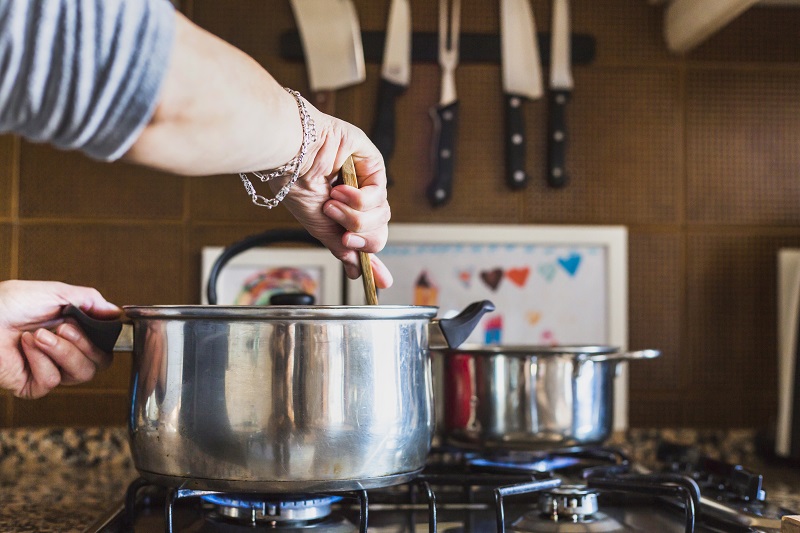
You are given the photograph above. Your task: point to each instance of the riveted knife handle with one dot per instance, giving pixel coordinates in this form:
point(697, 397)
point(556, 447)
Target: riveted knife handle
point(383, 132)
point(516, 177)
point(445, 120)
point(557, 138)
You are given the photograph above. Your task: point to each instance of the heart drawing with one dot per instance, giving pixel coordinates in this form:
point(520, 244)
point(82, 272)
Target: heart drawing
point(570, 264)
point(518, 276)
point(548, 271)
point(492, 278)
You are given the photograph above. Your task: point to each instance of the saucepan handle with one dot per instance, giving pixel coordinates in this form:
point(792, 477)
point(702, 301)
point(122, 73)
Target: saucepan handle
point(625, 356)
point(108, 335)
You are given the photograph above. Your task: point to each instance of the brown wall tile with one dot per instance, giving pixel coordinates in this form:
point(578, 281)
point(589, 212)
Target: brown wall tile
point(657, 309)
point(656, 409)
point(731, 323)
point(7, 159)
point(224, 199)
point(129, 264)
point(116, 378)
point(5, 409)
point(742, 133)
point(5, 251)
point(761, 34)
point(624, 153)
point(626, 31)
point(72, 408)
point(67, 184)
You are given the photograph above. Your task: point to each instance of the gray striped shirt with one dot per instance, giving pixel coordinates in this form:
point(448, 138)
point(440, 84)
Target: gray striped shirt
point(83, 74)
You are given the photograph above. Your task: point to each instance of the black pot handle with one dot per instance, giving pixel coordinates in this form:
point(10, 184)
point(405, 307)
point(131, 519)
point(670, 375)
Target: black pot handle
point(457, 329)
point(261, 239)
point(102, 333)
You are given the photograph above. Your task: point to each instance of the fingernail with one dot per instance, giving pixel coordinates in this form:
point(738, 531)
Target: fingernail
point(351, 271)
point(356, 242)
point(69, 333)
point(45, 337)
point(334, 212)
point(336, 194)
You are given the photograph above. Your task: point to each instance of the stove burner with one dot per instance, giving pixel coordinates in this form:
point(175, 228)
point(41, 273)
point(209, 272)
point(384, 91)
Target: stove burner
point(573, 503)
point(534, 523)
point(259, 509)
point(518, 464)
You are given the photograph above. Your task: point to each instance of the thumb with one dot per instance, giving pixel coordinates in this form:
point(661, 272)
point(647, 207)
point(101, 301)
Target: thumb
point(91, 302)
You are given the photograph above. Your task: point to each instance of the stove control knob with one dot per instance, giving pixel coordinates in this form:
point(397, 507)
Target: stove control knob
point(571, 503)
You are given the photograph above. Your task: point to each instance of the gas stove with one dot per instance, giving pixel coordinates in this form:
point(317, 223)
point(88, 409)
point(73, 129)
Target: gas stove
point(571, 490)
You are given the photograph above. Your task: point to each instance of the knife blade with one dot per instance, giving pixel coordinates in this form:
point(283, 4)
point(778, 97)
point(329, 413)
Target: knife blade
point(561, 85)
point(395, 76)
point(522, 79)
point(445, 114)
point(331, 39)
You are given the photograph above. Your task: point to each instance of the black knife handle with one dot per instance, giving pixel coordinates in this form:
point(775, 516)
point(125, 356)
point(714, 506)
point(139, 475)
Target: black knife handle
point(516, 178)
point(445, 120)
point(383, 131)
point(557, 139)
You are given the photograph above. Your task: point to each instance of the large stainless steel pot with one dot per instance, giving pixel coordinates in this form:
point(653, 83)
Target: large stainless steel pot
point(529, 397)
point(283, 398)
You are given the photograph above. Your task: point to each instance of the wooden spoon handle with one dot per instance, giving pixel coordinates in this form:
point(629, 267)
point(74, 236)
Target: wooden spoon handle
point(349, 177)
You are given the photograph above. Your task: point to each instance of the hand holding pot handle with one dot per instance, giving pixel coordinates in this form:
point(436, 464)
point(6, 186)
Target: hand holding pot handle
point(103, 333)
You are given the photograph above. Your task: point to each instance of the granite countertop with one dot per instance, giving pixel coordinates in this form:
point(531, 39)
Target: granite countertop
point(64, 479)
point(61, 479)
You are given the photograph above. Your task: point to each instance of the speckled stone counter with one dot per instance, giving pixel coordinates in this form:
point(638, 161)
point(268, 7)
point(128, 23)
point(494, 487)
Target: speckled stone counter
point(63, 479)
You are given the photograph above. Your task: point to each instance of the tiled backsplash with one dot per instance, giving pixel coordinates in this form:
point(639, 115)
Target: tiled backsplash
point(697, 155)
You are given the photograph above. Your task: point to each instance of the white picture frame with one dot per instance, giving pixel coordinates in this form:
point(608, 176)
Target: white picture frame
point(585, 266)
point(313, 269)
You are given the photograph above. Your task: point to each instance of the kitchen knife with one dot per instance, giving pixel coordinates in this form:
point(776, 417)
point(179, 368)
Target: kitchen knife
point(445, 115)
point(522, 78)
point(560, 90)
point(395, 75)
point(331, 38)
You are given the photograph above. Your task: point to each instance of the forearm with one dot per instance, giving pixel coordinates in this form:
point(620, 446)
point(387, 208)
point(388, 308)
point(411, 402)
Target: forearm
point(218, 112)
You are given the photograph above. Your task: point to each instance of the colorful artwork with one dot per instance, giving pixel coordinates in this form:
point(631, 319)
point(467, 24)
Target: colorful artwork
point(261, 286)
point(544, 294)
point(254, 276)
point(425, 292)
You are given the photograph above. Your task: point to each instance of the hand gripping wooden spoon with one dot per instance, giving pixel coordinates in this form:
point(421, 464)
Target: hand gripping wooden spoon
point(348, 174)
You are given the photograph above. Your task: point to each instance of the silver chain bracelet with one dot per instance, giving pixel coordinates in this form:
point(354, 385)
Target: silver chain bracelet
point(291, 168)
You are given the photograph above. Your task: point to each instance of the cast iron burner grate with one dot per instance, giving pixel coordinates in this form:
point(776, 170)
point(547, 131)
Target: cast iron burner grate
point(466, 478)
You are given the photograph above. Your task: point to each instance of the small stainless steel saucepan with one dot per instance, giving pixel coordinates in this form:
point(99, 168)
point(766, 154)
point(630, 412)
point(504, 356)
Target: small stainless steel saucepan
point(529, 397)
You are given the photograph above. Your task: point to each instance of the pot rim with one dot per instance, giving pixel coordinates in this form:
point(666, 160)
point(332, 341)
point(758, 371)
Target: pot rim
point(282, 312)
point(521, 350)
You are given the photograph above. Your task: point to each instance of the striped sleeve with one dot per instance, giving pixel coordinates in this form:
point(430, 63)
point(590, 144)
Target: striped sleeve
point(83, 74)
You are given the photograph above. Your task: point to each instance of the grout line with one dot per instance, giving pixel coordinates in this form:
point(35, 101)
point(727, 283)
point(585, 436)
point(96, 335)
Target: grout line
point(15, 224)
point(187, 7)
point(15, 208)
point(684, 382)
point(65, 221)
